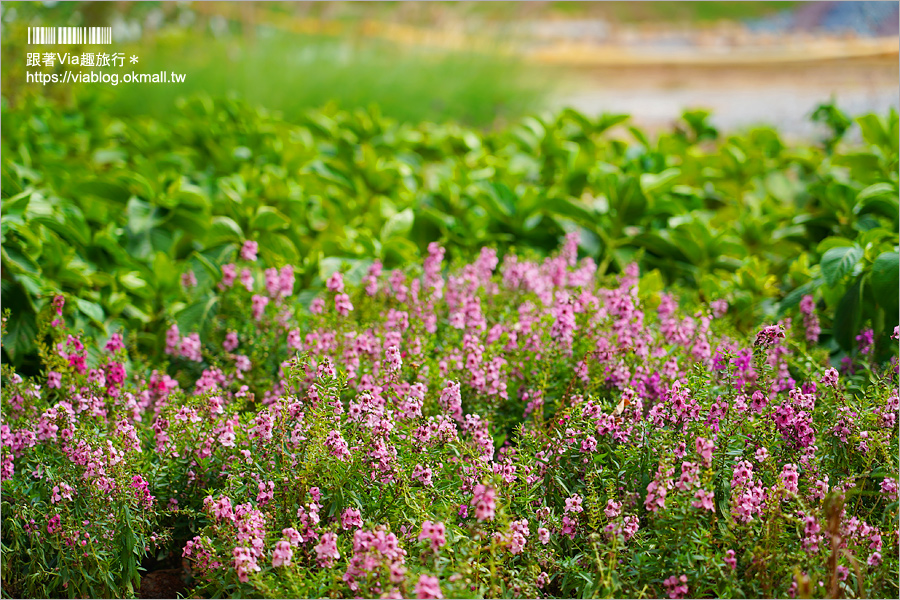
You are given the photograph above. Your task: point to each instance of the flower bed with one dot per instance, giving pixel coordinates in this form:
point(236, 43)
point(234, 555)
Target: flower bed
point(514, 429)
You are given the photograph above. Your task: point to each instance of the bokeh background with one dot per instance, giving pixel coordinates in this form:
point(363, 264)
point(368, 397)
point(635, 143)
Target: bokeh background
point(485, 64)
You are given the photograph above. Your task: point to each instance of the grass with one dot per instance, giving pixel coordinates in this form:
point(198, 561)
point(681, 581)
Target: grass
point(289, 73)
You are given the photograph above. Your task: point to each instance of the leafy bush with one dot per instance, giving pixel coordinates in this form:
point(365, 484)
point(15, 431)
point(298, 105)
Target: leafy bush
point(518, 428)
point(113, 211)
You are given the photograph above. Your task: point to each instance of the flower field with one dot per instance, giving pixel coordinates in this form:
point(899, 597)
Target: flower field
point(352, 358)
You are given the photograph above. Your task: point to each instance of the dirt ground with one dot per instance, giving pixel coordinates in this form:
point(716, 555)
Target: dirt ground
point(739, 96)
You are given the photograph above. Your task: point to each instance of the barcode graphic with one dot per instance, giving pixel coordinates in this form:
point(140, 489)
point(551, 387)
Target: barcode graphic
point(70, 35)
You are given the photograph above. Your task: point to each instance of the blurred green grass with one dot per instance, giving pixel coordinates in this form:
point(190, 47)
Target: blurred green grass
point(288, 73)
point(687, 11)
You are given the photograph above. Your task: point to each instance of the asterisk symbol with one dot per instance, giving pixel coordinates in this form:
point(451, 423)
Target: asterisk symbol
point(134, 59)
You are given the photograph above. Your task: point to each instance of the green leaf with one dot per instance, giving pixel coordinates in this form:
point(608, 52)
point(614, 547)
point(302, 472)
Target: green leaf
point(848, 317)
point(140, 215)
point(875, 190)
point(91, 309)
point(20, 333)
point(277, 249)
point(269, 219)
point(224, 229)
point(659, 182)
point(837, 262)
point(885, 280)
point(399, 224)
point(195, 316)
point(19, 262)
point(794, 297)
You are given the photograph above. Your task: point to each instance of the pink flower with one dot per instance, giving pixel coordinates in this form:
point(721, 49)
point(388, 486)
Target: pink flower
point(484, 498)
point(242, 363)
point(223, 509)
point(335, 442)
point(394, 360)
point(434, 532)
point(294, 340)
point(573, 504)
point(335, 283)
point(351, 518)
point(543, 535)
point(188, 280)
point(229, 274)
point(568, 527)
point(247, 279)
point(293, 536)
point(889, 487)
point(342, 305)
point(282, 554)
point(767, 336)
point(244, 563)
point(259, 305)
point(613, 509)
point(231, 341)
point(830, 378)
point(58, 303)
point(676, 586)
point(326, 549)
point(173, 340)
point(286, 280)
point(422, 474)
point(249, 250)
point(730, 560)
point(428, 587)
point(266, 492)
point(115, 343)
point(865, 339)
point(54, 380)
point(719, 308)
point(704, 499)
point(705, 449)
point(789, 477)
point(54, 524)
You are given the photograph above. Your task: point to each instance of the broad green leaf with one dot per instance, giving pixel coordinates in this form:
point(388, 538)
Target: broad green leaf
point(877, 189)
point(399, 224)
point(194, 317)
point(18, 261)
point(838, 262)
point(224, 229)
point(276, 249)
point(659, 182)
point(833, 242)
point(91, 309)
point(848, 317)
point(269, 219)
point(140, 215)
point(885, 280)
